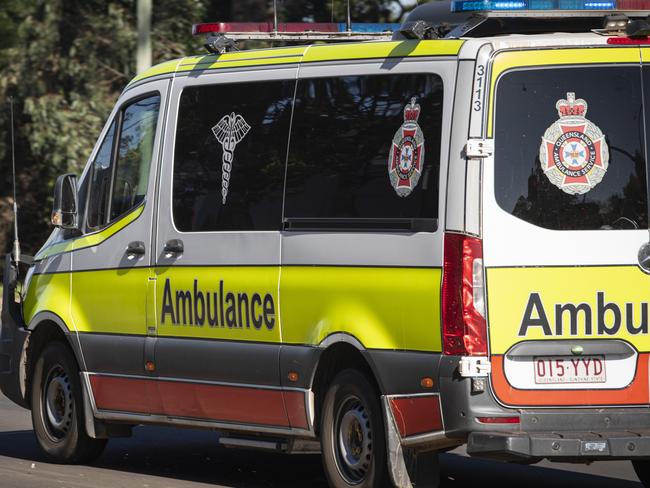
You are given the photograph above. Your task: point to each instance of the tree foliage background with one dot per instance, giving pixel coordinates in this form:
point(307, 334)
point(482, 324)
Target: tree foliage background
point(65, 62)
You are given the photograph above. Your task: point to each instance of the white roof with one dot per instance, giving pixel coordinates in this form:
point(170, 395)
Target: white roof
point(510, 41)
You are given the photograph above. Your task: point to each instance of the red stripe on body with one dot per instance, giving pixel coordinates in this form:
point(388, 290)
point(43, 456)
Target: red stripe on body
point(200, 401)
point(294, 402)
point(416, 414)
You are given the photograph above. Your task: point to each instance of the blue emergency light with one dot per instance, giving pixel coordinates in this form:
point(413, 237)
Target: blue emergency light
point(369, 27)
point(516, 5)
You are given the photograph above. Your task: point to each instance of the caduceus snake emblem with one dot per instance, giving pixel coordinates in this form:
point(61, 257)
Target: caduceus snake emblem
point(229, 131)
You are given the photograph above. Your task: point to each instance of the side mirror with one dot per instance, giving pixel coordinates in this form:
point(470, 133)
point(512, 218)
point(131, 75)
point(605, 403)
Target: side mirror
point(65, 213)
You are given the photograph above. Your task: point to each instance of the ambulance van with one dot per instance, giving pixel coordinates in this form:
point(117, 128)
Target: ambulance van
point(378, 250)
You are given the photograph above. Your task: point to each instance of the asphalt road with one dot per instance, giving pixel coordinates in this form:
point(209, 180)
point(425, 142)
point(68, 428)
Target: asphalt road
point(160, 458)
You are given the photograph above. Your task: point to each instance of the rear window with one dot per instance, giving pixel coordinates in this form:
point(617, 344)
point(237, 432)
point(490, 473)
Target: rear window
point(365, 152)
point(569, 147)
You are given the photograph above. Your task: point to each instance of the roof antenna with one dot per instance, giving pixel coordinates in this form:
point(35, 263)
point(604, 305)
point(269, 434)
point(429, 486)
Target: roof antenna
point(16, 250)
point(349, 19)
point(275, 16)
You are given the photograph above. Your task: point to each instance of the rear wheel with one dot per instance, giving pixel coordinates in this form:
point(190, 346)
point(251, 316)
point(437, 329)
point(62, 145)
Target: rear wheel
point(642, 469)
point(353, 439)
point(57, 408)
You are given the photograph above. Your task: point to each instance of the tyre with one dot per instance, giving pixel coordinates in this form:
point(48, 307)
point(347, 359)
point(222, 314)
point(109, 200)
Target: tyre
point(642, 469)
point(353, 439)
point(57, 408)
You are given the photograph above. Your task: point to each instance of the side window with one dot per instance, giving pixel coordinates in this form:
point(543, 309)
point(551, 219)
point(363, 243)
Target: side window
point(569, 151)
point(365, 152)
point(134, 155)
point(100, 182)
point(119, 174)
point(230, 155)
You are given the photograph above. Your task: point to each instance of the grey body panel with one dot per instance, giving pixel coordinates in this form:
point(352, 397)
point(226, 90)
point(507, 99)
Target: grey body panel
point(113, 353)
point(400, 372)
point(456, 175)
point(460, 406)
point(477, 118)
point(217, 360)
point(301, 248)
point(464, 180)
point(57, 263)
point(583, 446)
point(299, 359)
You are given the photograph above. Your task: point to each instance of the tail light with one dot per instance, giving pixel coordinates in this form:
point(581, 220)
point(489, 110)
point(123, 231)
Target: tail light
point(463, 297)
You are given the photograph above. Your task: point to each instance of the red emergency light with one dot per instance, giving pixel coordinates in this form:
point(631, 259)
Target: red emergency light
point(628, 41)
point(226, 27)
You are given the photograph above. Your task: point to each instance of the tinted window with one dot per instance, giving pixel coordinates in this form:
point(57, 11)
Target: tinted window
point(349, 139)
point(568, 161)
point(100, 182)
point(137, 134)
point(230, 155)
point(118, 179)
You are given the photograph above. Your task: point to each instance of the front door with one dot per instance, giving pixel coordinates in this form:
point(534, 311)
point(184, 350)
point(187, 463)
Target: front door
point(111, 260)
point(565, 214)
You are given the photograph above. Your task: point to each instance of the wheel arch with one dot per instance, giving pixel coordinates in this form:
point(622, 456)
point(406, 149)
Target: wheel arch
point(340, 351)
point(44, 328)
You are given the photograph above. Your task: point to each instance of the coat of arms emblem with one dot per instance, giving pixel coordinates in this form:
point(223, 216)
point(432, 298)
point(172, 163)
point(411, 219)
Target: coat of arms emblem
point(229, 131)
point(406, 157)
point(574, 154)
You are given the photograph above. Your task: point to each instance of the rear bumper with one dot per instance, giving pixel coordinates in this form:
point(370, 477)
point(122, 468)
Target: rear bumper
point(567, 446)
point(562, 433)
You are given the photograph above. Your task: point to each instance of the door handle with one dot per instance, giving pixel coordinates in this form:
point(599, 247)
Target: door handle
point(174, 246)
point(136, 248)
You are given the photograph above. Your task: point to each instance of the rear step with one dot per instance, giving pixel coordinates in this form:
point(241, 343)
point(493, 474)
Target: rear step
point(290, 446)
point(576, 446)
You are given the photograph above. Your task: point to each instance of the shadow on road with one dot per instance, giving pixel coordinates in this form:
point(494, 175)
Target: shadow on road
point(193, 456)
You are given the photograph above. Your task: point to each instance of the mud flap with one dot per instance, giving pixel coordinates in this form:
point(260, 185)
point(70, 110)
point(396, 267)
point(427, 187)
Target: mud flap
point(395, 454)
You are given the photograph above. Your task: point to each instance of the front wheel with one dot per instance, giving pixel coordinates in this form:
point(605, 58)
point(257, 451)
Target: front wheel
point(353, 440)
point(57, 408)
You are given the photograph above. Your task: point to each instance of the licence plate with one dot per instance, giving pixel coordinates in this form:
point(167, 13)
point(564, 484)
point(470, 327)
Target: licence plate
point(567, 369)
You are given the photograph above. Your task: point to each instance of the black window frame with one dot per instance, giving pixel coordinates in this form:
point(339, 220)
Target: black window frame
point(117, 119)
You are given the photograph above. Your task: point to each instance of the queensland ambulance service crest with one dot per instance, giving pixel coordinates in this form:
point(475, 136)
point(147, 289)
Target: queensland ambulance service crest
point(406, 156)
point(573, 153)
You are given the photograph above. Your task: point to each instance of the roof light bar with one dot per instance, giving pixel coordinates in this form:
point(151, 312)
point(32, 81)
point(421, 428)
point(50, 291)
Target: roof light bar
point(518, 5)
point(296, 31)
